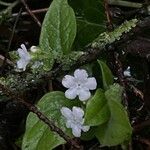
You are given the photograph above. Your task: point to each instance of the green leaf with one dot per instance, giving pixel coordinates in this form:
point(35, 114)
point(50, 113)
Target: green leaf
point(91, 18)
point(58, 29)
point(87, 136)
point(117, 129)
point(38, 135)
point(107, 76)
point(97, 111)
point(68, 60)
point(114, 93)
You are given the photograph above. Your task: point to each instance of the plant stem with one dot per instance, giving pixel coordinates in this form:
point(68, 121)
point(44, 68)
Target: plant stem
point(13, 4)
point(43, 10)
point(40, 115)
point(31, 13)
point(5, 3)
point(125, 3)
point(10, 41)
point(10, 7)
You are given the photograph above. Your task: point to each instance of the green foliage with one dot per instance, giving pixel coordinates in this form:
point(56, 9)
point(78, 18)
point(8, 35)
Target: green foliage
point(107, 114)
point(6, 13)
point(96, 110)
point(110, 37)
point(114, 93)
point(105, 111)
point(40, 56)
point(117, 129)
point(38, 136)
point(69, 60)
point(107, 76)
point(90, 17)
point(58, 30)
point(19, 82)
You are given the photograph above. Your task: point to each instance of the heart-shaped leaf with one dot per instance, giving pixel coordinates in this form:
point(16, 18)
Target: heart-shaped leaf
point(38, 135)
point(107, 76)
point(97, 111)
point(114, 92)
point(117, 129)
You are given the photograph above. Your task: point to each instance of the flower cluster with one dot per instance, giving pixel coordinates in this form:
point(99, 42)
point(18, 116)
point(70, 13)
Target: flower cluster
point(78, 85)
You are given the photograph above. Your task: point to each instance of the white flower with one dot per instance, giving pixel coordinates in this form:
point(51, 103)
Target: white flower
point(127, 72)
point(75, 120)
point(79, 84)
point(24, 57)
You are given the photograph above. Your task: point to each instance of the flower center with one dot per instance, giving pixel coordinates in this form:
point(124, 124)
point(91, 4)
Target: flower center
point(76, 120)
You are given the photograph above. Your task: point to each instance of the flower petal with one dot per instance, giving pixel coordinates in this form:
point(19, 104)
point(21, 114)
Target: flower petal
point(71, 93)
point(68, 81)
point(91, 83)
point(78, 113)
point(80, 74)
point(85, 128)
point(20, 52)
point(84, 95)
point(23, 54)
point(23, 47)
point(21, 64)
point(127, 72)
point(76, 131)
point(69, 123)
point(66, 112)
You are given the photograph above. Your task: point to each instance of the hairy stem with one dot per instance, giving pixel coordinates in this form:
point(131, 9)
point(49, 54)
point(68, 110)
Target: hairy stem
point(5, 90)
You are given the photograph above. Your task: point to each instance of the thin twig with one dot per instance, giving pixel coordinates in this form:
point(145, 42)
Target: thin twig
point(13, 31)
point(121, 79)
point(37, 11)
point(125, 3)
point(10, 7)
point(108, 15)
point(2, 58)
point(144, 141)
point(10, 40)
point(30, 13)
point(5, 3)
point(141, 125)
point(136, 91)
point(40, 115)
